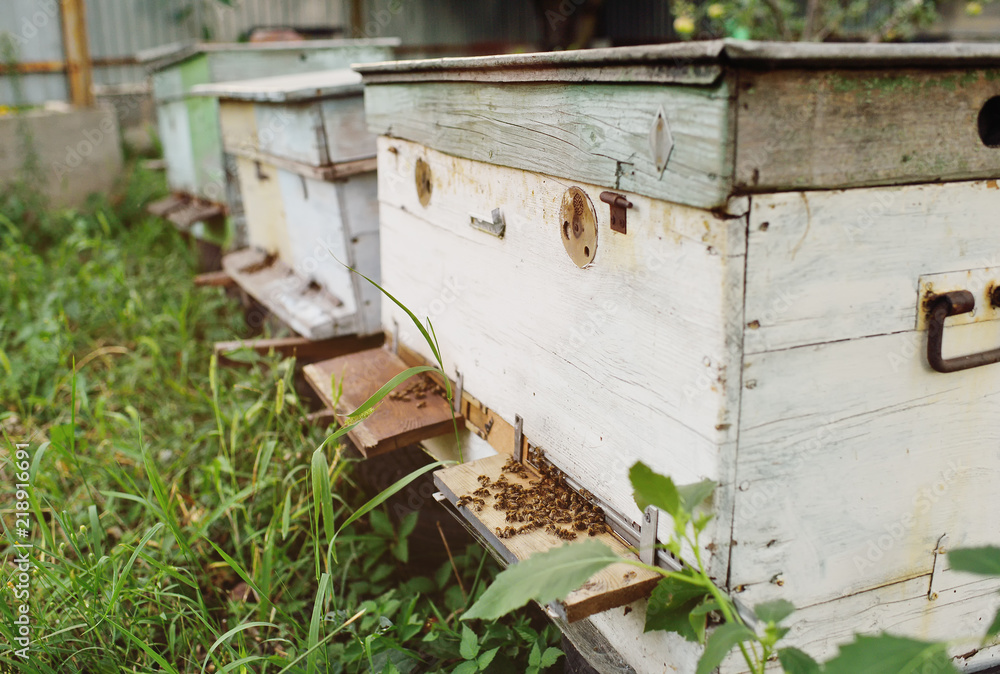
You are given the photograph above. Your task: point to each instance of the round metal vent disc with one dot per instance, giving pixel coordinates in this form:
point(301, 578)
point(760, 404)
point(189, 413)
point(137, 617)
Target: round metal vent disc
point(578, 226)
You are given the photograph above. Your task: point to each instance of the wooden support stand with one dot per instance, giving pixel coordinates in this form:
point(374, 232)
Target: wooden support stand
point(413, 414)
point(219, 279)
point(302, 348)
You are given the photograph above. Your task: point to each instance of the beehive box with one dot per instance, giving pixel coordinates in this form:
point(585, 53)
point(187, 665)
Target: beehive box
point(306, 171)
point(718, 258)
point(189, 124)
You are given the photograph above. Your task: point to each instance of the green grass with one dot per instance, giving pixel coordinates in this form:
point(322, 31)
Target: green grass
point(172, 499)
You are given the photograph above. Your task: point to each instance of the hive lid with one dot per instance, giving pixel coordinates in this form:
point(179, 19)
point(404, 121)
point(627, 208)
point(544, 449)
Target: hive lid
point(287, 88)
point(165, 56)
point(642, 62)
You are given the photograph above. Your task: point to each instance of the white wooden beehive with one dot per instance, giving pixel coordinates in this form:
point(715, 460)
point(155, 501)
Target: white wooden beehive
point(306, 169)
point(761, 321)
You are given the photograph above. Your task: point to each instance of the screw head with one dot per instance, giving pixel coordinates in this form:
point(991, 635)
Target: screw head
point(995, 297)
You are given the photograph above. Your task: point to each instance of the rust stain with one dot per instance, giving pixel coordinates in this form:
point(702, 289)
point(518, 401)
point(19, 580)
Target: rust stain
point(992, 184)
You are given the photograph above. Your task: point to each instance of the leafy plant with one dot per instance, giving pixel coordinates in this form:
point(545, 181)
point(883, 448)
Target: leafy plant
point(689, 602)
point(174, 501)
point(859, 20)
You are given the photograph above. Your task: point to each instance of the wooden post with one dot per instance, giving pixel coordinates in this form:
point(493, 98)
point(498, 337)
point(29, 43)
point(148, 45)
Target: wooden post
point(79, 69)
point(357, 19)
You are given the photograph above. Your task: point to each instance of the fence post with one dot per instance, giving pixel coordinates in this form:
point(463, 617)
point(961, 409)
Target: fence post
point(79, 69)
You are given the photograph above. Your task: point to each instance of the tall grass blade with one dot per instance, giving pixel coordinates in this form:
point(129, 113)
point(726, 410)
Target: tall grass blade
point(229, 635)
point(314, 623)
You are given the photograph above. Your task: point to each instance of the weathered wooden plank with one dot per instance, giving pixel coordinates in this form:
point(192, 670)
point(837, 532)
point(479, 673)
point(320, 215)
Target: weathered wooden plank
point(416, 412)
point(855, 457)
point(614, 586)
point(286, 88)
point(219, 279)
point(827, 266)
point(654, 323)
point(302, 348)
point(804, 129)
point(595, 133)
point(348, 138)
point(304, 306)
point(959, 617)
point(267, 227)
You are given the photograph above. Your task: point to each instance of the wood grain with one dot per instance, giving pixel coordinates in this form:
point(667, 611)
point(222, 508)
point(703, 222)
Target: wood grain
point(302, 348)
point(303, 306)
point(802, 129)
point(594, 133)
point(395, 423)
point(633, 358)
point(855, 457)
point(614, 586)
point(828, 266)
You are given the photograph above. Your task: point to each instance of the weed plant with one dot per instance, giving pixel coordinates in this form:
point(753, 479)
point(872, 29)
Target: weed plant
point(174, 518)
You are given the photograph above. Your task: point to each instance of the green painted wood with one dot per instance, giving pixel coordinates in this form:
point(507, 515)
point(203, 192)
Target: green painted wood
point(206, 146)
point(595, 133)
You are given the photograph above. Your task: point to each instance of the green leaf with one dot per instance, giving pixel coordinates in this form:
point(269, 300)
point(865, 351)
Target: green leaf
point(698, 617)
point(379, 498)
point(322, 496)
point(794, 661)
point(651, 488)
point(467, 667)
point(375, 398)
point(985, 561)
point(670, 604)
point(894, 655)
point(535, 656)
point(550, 656)
point(994, 628)
point(408, 524)
point(544, 577)
point(692, 495)
point(774, 611)
point(317, 618)
point(469, 648)
point(722, 640)
point(486, 658)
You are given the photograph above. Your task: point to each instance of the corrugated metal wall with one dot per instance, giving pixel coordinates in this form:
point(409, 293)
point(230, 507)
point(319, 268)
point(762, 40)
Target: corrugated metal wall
point(35, 27)
point(118, 29)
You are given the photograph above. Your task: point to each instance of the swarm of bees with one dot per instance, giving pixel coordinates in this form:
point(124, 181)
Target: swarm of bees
point(546, 503)
point(419, 388)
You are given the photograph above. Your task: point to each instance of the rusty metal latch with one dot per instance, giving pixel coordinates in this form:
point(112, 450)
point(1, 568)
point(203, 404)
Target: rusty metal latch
point(952, 304)
point(619, 208)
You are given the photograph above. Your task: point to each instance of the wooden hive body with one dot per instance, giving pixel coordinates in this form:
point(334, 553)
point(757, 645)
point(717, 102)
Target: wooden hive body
point(760, 322)
point(305, 166)
point(189, 123)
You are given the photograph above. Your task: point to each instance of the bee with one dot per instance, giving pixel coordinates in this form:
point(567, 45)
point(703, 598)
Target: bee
point(628, 576)
point(484, 480)
point(422, 404)
point(482, 491)
point(463, 501)
point(597, 529)
point(478, 503)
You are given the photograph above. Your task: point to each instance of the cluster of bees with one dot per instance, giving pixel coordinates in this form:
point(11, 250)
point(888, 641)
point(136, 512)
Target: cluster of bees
point(547, 503)
point(419, 388)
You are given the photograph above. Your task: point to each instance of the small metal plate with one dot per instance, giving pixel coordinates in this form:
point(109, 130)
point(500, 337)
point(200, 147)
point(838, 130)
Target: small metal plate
point(578, 226)
point(422, 176)
point(980, 282)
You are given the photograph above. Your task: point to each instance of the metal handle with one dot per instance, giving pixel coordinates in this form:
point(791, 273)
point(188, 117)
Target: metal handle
point(939, 308)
